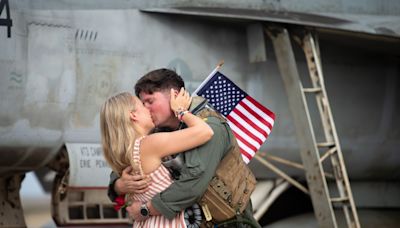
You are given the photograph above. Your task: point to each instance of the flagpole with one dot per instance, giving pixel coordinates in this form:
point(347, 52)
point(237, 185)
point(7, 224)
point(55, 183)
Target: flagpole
point(209, 76)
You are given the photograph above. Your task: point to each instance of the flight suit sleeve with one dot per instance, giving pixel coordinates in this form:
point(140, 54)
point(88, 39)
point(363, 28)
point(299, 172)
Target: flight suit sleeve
point(200, 166)
point(111, 192)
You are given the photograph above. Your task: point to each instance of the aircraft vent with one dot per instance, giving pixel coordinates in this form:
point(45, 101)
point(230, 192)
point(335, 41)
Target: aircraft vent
point(84, 34)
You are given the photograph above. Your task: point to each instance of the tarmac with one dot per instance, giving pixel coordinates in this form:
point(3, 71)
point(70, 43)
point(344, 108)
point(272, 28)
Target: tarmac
point(37, 211)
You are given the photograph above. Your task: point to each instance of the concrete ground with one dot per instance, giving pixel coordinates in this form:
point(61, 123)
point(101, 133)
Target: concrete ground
point(36, 204)
point(383, 218)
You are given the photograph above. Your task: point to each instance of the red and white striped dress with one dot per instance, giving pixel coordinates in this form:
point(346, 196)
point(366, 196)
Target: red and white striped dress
point(161, 179)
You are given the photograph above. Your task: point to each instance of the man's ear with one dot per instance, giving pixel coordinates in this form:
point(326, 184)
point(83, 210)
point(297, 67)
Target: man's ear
point(176, 92)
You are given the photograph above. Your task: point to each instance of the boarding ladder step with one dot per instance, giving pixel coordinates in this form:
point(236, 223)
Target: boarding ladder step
point(326, 144)
point(339, 199)
point(312, 90)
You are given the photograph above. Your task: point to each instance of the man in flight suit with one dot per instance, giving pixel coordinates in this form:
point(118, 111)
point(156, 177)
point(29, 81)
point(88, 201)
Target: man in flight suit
point(193, 169)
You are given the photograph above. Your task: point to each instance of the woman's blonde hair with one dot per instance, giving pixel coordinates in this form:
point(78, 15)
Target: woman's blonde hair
point(117, 132)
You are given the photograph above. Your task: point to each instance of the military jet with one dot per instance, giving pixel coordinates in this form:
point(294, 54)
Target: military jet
point(59, 60)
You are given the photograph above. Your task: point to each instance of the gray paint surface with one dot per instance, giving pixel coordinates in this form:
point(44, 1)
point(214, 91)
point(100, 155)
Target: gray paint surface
point(60, 65)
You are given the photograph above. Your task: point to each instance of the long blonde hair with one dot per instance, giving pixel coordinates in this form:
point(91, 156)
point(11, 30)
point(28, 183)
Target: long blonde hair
point(117, 130)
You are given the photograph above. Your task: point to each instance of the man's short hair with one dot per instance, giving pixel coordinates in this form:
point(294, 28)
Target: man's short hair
point(159, 80)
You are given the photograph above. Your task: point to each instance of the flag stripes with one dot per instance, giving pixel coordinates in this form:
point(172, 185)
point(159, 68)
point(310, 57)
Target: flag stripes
point(251, 122)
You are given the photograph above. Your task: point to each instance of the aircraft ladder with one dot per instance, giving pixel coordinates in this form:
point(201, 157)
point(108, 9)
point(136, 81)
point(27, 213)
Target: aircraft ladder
point(310, 150)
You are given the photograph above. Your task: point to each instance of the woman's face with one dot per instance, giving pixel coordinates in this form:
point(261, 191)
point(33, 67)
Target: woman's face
point(159, 105)
point(143, 116)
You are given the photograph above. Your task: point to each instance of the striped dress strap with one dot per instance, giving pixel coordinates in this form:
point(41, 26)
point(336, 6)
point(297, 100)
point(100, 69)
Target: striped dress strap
point(136, 163)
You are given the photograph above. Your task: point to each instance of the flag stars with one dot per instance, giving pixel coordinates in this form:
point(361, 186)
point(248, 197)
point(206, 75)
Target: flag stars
point(223, 95)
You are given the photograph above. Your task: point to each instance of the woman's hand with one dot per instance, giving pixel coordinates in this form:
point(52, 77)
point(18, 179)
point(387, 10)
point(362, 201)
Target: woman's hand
point(181, 101)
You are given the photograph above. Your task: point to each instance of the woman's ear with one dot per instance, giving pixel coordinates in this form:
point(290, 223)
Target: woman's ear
point(132, 116)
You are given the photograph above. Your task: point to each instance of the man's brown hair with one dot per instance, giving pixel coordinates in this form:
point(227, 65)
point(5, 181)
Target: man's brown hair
point(159, 80)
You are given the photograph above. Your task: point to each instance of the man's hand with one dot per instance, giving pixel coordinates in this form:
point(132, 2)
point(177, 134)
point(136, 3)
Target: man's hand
point(134, 211)
point(129, 183)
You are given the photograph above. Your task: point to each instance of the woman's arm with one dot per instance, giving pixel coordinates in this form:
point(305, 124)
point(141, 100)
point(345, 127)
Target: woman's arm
point(167, 143)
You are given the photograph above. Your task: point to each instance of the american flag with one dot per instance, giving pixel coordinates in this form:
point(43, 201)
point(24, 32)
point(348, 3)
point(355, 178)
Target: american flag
point(250, 121)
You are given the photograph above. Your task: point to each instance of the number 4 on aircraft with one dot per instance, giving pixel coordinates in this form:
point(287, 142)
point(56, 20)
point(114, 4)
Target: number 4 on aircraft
point(7, 20)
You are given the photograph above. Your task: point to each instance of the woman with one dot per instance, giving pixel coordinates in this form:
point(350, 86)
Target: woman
point(125, 127)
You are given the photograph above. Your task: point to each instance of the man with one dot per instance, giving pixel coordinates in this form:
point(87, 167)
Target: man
point(196, 167)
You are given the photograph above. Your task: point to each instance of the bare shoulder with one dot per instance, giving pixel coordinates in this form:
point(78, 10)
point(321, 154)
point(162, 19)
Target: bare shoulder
point(152, 141)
